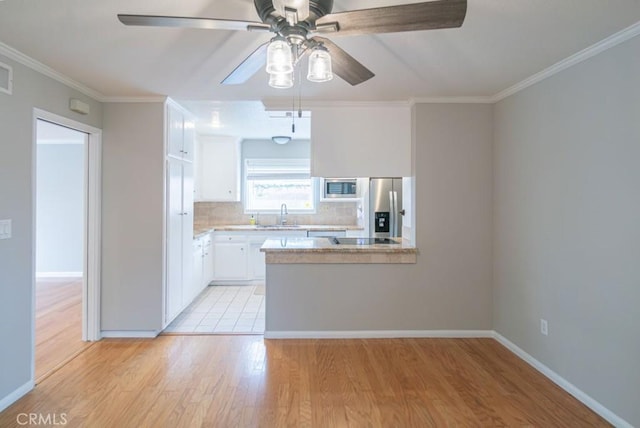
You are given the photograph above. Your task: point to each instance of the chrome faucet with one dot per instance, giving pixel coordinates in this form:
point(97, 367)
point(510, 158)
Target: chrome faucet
point(283, 212)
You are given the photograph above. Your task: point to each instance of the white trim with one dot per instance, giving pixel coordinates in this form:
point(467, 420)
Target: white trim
point(149, 99)
point(27, 61)
point(41, 275)
point(451, 100)
point(92, 225)
point(93, 240)
point(591, 51)
point(130, 334)
point(377, 334)
point(9, 69)
point(16, 395)
point(563, 383)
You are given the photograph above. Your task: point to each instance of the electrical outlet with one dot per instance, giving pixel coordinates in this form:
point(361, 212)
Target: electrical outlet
point(544, 327)
point(5, 229)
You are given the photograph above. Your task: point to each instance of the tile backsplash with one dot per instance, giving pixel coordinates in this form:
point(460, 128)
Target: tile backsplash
point(211, 214)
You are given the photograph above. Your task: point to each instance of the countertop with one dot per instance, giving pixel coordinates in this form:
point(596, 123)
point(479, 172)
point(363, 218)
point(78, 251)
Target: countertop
point(321, 250)
point(258, 228)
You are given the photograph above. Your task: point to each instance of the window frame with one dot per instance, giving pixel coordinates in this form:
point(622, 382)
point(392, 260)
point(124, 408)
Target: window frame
point(315, 186)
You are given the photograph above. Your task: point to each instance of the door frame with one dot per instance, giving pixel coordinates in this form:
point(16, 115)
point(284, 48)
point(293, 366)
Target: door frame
point(92, 224)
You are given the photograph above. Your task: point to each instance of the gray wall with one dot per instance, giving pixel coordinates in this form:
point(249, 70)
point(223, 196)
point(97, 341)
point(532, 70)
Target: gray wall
point(132, 216)
point(60, 208)
point(567, 223)
point(449, 288)
point(30, 89)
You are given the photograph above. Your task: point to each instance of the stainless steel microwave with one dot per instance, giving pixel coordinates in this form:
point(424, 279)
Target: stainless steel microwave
point(340, 188)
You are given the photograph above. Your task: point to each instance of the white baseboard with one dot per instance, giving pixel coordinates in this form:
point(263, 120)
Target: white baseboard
point(129, 334)
point(377, 334)
point(591, 403)
point(16, 395)
point(59, 275)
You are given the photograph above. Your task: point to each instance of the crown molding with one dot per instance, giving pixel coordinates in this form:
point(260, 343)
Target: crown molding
point(451, 100)
point(145, 99)
point(593, 50)
point(27, 61)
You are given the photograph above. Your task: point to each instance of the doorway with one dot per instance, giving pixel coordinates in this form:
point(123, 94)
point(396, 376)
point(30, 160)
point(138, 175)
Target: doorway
point(66, 231)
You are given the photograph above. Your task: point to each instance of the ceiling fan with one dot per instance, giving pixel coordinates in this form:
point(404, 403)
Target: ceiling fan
point(298, 25)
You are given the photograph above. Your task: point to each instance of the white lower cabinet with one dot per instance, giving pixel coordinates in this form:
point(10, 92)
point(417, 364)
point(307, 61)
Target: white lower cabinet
point(192, 289)
point(207, 261)
point(237, 255)
point(230, 257)
point(256, 257)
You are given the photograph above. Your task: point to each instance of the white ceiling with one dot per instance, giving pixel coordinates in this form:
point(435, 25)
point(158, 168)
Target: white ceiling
point(501, 43)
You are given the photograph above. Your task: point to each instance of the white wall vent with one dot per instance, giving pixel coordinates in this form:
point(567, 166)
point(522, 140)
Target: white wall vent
point(6, 79)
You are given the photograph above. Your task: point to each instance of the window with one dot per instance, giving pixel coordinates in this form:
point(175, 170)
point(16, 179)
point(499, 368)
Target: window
point(269, 183)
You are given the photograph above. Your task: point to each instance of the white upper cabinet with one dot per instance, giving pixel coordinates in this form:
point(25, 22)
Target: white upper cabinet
point(180, 132)
point(361, 141)
point(218, 177)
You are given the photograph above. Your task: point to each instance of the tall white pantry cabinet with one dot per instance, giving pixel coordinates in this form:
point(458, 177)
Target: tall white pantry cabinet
point(180, 135)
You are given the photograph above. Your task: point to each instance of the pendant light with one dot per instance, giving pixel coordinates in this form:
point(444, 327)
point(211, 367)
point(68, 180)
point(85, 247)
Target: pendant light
point(279, 57)
point(281, 80)
point(320, 65)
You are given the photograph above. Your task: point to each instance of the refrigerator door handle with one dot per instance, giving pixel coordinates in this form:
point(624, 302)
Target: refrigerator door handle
point(395, 213)
point(392, 215)
point(393, 220)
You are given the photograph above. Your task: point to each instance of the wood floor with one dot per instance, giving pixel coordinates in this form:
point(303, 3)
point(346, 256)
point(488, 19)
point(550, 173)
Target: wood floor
point(58, 323)
point(246, 381)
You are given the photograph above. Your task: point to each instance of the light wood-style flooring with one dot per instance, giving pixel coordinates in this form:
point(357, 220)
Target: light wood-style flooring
point(246, 381)
point(58, 323)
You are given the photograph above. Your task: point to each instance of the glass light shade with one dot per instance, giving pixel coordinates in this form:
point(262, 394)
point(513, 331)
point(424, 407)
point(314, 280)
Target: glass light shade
point(281, 80)
point(320, 66)
point(279, 57)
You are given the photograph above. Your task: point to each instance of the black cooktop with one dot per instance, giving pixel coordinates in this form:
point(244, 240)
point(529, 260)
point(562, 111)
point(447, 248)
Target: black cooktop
point(361, 241)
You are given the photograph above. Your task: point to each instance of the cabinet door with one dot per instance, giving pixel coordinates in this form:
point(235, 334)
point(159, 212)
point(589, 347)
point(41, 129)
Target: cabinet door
point(173, 298)
point(188, 138)
point(195, 285)
point(258, 266)
point(219, 166)
point(208, 269)
point(175, 130)
point(230, 261)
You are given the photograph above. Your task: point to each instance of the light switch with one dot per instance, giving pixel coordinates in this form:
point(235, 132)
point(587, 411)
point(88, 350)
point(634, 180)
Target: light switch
point(5, 229)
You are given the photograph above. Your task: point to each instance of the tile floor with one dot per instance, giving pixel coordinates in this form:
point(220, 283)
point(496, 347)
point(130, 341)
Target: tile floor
point(223, 309)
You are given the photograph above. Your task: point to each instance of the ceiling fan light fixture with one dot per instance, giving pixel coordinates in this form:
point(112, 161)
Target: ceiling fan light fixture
point(279, 57)
point(281, 80)
point(320, 65)
point(281, 139)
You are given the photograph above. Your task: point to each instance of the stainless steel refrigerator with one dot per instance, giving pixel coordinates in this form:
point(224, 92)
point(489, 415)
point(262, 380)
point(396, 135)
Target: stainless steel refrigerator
point(385, 207)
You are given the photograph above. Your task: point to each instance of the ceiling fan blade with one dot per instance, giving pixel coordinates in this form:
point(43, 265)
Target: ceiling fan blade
point(185, 22)
point(344, 65)
point(248, 67)
point(391, 19)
